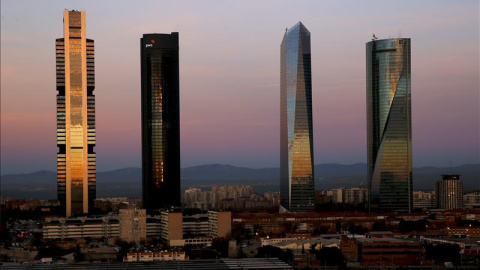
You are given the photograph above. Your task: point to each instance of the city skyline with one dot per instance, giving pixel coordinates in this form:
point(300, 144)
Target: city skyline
point(446, 76)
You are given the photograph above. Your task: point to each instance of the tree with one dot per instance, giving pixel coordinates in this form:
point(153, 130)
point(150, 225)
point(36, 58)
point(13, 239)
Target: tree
point(443, 253)
point(355, 229)
point(238, 232)
point(330, 256)
point(124, 248)
point(379, 226)
point(275, 252)
point(221, 246)
point(78, 255)
point(408, 226)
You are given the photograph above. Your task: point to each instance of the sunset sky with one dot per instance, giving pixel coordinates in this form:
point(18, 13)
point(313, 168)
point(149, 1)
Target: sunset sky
point(230, 73)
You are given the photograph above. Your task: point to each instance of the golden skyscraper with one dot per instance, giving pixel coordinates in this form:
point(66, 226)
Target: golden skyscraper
point(297, 181)
point(76, 165)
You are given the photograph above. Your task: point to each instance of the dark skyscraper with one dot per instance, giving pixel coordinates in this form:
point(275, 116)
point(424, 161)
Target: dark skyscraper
point(449, 192)
point(389, 125)
point(297, 192)
point(160, 121)
point(76, 171)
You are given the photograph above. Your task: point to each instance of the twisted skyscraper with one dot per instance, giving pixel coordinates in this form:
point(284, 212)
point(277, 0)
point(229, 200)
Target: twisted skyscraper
point(389, 125)
point(76, 165)
point(297, 192)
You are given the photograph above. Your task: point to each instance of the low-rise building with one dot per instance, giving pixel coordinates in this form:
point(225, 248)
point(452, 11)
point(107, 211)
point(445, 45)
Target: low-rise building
point(424, 199)
point(389, 251)
point(229, 197)
point(82, 227)
point(349, 248)
point(381, 251)
point(178, 226)
point(354, 195)
point(155, 256)
point(466, 231)
point(471, 200)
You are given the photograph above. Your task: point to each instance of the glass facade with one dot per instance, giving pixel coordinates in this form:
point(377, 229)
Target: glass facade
point(160, 121)
point(76, 165)
point(297, 191)
point(389, 125)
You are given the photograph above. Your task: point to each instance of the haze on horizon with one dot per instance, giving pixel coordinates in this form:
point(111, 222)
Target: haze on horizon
point(229, 78)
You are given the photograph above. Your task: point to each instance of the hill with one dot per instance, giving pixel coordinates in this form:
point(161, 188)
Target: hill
point(127, 182)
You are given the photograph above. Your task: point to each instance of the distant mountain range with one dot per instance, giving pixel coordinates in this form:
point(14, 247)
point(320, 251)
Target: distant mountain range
point(127, 182)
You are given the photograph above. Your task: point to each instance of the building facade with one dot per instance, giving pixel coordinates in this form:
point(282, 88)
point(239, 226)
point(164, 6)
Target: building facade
point(133, 224)
point(389, 125)
point(160, 121)
point(82, 227)
point(76, 160)
point(229, 197)
point(423, 199)
point(354, 195)
point(449, 192)
point(220, 224)
point(193, 226)
point(471, 200)
point(297, 185)
point(155, 256)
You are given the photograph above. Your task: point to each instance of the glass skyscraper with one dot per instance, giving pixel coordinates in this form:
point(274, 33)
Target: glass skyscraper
point(76, 165)
point(297, 192)
point(389, 125)
point(160, 121)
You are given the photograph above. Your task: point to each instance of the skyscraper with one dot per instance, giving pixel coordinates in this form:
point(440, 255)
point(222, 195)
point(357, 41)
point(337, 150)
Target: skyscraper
point(389, 125)
point(297, 192)
point(449, 192)
point(160, 121)
point(76, 165)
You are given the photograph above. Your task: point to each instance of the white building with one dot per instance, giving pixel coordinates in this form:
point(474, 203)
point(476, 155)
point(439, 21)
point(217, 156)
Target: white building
point(62, 228)
point(424, 199)
point(155, 256)
point(471, 200)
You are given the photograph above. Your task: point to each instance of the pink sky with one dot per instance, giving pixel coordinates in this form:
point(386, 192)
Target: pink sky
point(229, 78)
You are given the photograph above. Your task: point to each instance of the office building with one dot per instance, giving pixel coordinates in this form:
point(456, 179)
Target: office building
point(449, 192)
point(76, 165)
point(389, 125)
point(160, 121)
point(297, 192)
